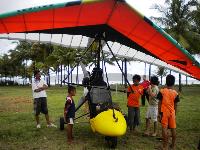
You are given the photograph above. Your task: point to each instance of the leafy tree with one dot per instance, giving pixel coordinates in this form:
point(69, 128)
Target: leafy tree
point(161, 72)
point(179, 18)
point(196, 19)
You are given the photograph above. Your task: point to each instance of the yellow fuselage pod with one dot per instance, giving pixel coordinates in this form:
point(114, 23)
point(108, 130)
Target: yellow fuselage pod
point(105, 124)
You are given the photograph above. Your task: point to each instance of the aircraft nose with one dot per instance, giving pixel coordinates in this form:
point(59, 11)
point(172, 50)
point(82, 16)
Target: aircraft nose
point(105, 124)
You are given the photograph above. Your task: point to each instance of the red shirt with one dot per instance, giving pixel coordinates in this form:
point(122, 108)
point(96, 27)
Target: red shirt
point(145, 84)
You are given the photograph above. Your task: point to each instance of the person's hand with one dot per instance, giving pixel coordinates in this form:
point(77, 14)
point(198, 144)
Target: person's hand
point(149, 87)
point(38, 90)
point(140, 91)
point(41, 88)
point(159, 118)
point(65, 120)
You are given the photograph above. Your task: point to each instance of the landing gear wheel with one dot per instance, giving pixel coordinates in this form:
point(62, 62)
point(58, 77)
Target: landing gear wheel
point(62, 123)
point(111, 141)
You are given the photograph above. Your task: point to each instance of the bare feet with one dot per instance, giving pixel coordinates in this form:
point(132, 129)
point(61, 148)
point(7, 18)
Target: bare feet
point(70, 141)
point(146, 133)
point(154, 135)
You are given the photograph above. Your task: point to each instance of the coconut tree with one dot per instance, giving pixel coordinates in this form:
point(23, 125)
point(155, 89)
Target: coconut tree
point(161, 72)
point(6, 67)
point(177, 19)
point(61, 56)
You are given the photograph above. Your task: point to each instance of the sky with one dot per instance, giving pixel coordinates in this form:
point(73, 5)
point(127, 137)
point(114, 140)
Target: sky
point(143, 6)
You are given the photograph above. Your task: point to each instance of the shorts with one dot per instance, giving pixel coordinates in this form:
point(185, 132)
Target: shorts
point(133, 116)
point(152, 113)
point(168, 120)
point(40, 105)
point(70, 120)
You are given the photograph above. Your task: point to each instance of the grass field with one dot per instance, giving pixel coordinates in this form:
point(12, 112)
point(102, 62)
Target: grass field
point(18, 131)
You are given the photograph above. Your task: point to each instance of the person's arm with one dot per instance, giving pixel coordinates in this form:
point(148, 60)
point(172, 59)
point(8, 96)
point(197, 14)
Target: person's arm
point(67, 105)
point(44, 86)
point(159, 97)
point(128, 92)
point(35, 88)
point(151, 92)
point(177, 99)
point(38, 90)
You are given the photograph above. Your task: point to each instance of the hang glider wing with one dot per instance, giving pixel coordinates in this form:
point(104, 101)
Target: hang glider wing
point(119, 22)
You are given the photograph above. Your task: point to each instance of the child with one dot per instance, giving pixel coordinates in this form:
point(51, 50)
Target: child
point(133, 102)
point(69, 112)
point(152, 111)
point(168, 99)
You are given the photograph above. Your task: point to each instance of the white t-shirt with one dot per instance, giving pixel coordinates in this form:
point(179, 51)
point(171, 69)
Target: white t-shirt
point(85, 91)
point(37, 84)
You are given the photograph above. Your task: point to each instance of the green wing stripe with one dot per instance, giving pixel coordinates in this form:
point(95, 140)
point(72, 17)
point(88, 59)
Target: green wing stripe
point(37, 8)
point(166, 35)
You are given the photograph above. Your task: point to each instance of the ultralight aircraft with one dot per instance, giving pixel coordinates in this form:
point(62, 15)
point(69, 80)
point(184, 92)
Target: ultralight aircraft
point(110, 23)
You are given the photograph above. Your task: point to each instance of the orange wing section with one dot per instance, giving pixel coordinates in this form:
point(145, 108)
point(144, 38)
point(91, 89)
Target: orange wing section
point(116, 14)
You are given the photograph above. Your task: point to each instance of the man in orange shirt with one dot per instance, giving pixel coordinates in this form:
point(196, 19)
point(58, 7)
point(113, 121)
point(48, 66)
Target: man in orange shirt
point(133, 103)
point(167, 110)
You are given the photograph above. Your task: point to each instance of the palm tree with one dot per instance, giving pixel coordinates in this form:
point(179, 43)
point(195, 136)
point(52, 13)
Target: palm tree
point(196, 20)
point(161, 72)
point(61, 56)
point(178, 20)
point(6, 67)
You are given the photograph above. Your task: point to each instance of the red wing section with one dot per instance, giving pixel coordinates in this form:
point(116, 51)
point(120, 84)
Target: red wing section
point(118, 16)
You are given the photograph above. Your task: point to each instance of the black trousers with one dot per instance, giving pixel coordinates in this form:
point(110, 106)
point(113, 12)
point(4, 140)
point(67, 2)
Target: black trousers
point(144, 96)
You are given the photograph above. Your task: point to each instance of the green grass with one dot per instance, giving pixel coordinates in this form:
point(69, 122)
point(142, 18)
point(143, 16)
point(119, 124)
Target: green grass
point(17, 124)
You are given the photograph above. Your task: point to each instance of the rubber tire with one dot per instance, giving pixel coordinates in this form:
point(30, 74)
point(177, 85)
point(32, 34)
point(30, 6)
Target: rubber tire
point(111, 141)
point(62, 123)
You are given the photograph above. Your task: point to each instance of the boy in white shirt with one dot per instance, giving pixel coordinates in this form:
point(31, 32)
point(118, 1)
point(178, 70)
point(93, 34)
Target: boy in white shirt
point(152, 112)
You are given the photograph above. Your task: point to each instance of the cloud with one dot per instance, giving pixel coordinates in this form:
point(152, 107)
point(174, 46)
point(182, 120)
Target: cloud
point(6, 45)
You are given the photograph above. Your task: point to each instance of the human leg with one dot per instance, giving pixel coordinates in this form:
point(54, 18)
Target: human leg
point(155, 128)
point(70, 122)
point(172, 126)
point(37, 110)
point(148, 116)
point(130, 118)
point(165, 125)
point(165, 138)
point(147, 126)
point(69, 132)
point(37, 119)
point(136, 117)
point(173, 131)
point(47, 119)
point(45, 109)
point(154, 116)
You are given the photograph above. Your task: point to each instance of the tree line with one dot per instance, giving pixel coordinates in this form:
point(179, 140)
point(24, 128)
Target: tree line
point(28, 56)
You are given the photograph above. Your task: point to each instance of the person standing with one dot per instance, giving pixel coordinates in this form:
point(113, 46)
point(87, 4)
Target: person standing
point(69, 112)
point(152, 111)
point(133, 103)
point(167, 108)
point(145, 85)
point(40, 99)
